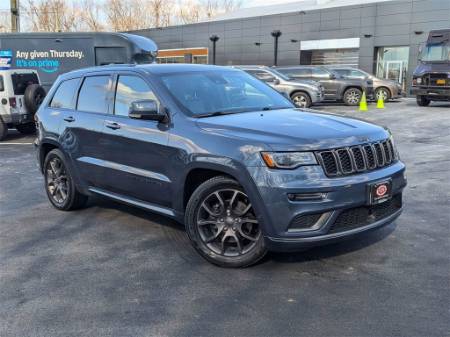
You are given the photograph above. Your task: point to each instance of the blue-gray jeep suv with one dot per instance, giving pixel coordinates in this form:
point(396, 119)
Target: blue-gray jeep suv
point(219, 151)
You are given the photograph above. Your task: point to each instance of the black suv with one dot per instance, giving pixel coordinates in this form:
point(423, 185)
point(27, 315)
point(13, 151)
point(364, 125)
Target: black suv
point(221, 152)
point(337, 88)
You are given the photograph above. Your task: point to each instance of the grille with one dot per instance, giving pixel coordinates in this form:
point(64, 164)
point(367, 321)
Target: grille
point(304, 221)
point(351, 160)
point(431, 79)
point(365, 215)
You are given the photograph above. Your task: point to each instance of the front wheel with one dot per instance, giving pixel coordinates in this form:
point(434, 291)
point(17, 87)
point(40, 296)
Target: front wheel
point(422, 101)
point(222, 225)
point(59, 185)
point(301, 100)
point(352, 96)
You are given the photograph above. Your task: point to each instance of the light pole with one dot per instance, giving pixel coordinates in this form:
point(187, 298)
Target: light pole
point(214, 39)
point(276, 34)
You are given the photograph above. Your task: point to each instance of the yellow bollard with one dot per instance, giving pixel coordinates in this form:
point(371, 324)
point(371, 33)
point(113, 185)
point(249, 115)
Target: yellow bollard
point(363, 103)
point(380, 103)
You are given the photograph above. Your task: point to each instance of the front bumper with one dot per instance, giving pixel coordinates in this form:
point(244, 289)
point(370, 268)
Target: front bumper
point(341, 196)
point(316, 96)
point(432, 92)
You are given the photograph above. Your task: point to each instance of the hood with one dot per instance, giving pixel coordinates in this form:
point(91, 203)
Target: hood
point(294, 129)
point(423, 68)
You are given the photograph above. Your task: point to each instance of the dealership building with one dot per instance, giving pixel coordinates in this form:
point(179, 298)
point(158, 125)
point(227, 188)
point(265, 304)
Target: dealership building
point(382, 37)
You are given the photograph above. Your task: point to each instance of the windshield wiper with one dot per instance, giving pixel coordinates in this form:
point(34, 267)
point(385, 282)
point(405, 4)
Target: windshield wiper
point(267, 108)
point(215, 113)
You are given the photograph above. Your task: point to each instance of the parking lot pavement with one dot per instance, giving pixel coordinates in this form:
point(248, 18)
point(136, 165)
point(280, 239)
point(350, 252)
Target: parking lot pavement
point(113, 270)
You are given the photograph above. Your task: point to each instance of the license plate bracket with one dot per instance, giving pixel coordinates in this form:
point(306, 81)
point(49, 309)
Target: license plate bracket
point(379, 192)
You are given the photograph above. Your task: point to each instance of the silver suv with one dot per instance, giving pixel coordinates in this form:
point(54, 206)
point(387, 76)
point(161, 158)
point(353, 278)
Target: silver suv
point(303, 93)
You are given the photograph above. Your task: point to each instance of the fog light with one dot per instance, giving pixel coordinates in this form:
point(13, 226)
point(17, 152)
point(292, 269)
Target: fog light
point(306, 196)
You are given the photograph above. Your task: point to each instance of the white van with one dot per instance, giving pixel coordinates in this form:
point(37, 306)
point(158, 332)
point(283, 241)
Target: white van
point(20, 97)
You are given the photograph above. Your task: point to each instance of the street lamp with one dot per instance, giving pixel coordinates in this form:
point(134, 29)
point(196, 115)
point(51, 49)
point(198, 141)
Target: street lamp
point(214, 39)
point(276, 34)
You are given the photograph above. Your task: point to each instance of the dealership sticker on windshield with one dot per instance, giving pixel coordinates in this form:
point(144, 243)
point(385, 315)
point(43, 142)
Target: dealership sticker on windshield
point(380, 192)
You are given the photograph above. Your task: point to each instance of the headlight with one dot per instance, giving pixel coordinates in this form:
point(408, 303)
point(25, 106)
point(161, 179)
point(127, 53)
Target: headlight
point(394, 147)
point(419, 80)
point(288, 160)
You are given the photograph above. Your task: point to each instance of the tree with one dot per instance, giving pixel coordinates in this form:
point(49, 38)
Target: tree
point(5, 22)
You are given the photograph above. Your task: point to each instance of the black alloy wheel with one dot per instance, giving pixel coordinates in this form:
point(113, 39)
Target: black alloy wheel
point(222, 224)
point(59, 185)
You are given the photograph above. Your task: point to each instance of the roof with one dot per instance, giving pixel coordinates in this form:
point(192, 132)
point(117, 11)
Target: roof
point(292, 7)
point(149, 68)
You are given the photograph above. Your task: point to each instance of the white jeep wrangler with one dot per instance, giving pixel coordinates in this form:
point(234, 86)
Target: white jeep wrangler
point(20, 97)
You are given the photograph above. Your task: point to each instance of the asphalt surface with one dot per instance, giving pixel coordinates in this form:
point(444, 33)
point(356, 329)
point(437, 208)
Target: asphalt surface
point(113, 270)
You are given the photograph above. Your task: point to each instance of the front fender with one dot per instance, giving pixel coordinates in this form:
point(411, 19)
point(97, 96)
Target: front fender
point(229, 167)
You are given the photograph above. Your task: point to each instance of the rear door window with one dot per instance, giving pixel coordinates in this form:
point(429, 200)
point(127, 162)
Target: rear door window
point(65, 94)
point(22, 81)
point(262, 75)
point(94, 93)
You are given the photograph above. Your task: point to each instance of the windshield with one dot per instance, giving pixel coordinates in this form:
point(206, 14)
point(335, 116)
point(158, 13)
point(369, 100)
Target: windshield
point(217, 92)
point(436, 52)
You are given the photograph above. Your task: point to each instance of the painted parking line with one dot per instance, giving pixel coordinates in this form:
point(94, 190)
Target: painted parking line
point(16, 143)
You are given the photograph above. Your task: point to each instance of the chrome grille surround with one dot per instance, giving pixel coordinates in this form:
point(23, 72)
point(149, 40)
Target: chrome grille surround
point(356, 159)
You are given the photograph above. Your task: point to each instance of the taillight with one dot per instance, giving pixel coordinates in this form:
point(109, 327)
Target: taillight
point(12, 102)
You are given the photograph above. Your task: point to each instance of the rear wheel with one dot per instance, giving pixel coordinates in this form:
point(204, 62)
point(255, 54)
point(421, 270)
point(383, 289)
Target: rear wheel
point(59, 185)
point(222, 224)
point(423, 101)
point(301, 100)
point(26, 129)
point(352, 96)
point(3, 130)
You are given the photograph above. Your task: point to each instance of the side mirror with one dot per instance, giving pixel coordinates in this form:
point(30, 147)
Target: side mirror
point(146, 109)
point(276, 81)
point(332, 76)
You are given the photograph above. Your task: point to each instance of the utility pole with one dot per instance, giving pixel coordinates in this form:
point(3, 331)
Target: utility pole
point(15, 20)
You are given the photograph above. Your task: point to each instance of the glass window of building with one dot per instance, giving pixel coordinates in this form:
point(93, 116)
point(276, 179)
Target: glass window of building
point(392, 63)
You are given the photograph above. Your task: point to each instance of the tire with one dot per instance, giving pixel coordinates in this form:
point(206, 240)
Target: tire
point(423, 101)
point(301, 99)
point(55, 162)
point(352, 96)
point(3, 130)
point(26, 129)
point(384, 93)
point(230, 235)
point(33, 97)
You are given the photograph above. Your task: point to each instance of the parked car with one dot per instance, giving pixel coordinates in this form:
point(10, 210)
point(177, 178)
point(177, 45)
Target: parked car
point(383, 88)
point(303, 93)
point(336, 87)
point(20, 97)
point(221, 152)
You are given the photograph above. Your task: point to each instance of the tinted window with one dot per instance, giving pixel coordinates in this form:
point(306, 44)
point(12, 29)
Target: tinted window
point(93, 94)
point(63, 97)
point(2, 84)
point(298, 72)
point(130, 89)
point(222, 91)
point(22, 81)
point(262, 75)
point(320, 73)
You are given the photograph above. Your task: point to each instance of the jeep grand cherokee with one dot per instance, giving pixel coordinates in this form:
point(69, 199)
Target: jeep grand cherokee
point(219, 151)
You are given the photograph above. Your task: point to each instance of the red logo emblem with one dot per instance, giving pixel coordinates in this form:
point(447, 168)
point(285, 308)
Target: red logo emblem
point(381, 190)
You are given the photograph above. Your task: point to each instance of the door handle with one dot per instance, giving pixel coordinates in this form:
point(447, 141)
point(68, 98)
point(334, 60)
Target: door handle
point(112, 125)
point(69, 119)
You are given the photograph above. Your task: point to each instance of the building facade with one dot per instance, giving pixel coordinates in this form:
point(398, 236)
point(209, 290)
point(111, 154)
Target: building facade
point(382, 37)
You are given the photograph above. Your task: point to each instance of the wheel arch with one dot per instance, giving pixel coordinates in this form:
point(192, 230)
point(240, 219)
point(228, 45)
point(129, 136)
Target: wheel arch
point(386, 88)
point(45, 147)
point(199, 172)
point(296, 91)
